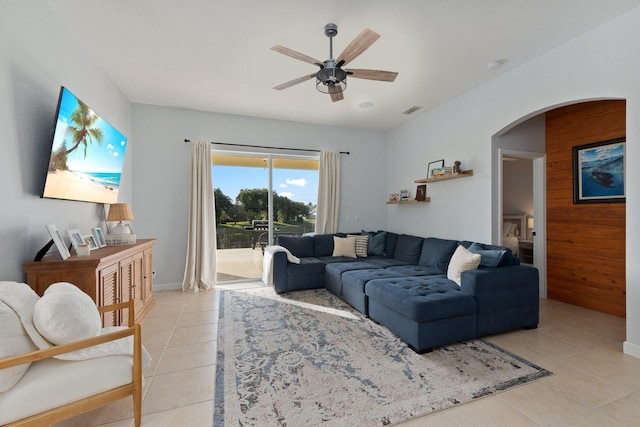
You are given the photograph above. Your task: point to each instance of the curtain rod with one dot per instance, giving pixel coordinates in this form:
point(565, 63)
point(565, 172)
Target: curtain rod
point(265, 146)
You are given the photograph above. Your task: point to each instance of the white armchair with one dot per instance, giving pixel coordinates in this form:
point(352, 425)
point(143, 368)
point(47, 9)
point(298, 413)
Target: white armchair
point(52, 390)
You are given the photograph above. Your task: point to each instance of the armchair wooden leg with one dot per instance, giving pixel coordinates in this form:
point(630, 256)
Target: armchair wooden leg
point(137, 376)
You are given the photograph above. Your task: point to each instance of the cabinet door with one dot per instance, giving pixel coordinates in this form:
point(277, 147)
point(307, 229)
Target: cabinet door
point(126, 286)
point(108, 293)
point(148, 273)
point(138, 292)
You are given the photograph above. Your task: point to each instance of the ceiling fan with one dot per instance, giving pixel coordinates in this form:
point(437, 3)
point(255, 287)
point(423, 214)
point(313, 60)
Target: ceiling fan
point(332, 78)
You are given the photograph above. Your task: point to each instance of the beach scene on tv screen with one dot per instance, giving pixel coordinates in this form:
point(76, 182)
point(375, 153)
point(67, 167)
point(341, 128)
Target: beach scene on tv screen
point(86, 155)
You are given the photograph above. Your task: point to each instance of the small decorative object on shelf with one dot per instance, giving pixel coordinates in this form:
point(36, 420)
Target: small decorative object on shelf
point(393, 198)
point(421, 192)
point(404, 195)
point(456, 169)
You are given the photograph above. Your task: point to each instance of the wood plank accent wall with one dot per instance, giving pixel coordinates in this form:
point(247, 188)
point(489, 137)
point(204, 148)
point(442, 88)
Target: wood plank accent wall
point(585, 242)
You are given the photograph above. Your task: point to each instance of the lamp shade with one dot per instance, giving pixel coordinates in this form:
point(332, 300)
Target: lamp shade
point(530, 222)
point(120, 212)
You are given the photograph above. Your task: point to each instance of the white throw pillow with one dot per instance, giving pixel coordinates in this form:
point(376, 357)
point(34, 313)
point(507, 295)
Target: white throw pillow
point(344, 246)
point(13, 341)
point(65, 314)
point(462, 260)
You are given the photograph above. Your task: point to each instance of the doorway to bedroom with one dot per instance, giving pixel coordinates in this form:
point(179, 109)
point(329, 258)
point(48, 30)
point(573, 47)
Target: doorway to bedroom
point(258, 197)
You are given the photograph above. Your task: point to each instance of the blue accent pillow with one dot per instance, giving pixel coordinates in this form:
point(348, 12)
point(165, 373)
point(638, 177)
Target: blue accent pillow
point(488, 257)
point(408, 248)
point(376, 243)
point(436, 253)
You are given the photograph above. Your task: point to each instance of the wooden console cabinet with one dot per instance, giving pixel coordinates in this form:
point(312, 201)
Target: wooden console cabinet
point(108, 275)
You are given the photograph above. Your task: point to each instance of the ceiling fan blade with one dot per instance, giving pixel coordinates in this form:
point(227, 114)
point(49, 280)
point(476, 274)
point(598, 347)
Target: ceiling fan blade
point(361, 43)
point(294, 82)
point(335, 94)
point(297, 55)
point(385, 76)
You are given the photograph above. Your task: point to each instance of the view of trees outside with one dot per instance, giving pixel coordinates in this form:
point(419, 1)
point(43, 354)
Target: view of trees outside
point(242, 196)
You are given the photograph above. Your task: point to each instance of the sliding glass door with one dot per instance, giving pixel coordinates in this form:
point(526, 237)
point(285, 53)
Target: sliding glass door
point(258, 197)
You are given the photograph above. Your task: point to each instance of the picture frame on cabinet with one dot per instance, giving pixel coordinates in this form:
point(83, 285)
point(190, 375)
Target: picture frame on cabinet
point(58, 241)
point(91, 241)
point(99, 236)
point(75, 237)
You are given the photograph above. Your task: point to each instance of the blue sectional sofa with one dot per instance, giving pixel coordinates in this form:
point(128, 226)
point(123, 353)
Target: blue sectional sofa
point(402, 283)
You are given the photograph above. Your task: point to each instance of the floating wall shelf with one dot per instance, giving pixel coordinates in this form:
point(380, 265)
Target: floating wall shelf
point(446, 177)
point(406, 202)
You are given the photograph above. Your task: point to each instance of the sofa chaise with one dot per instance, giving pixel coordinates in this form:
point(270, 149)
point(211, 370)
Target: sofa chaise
point(428, 291)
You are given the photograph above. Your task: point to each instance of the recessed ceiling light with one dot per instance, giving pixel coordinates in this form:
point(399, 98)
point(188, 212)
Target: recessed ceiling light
point(366, 104)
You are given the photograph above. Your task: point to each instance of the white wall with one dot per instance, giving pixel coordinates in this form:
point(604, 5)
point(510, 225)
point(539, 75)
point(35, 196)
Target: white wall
point(517, 187)
point(37, 56)
point(161, 171)
point(601, 64)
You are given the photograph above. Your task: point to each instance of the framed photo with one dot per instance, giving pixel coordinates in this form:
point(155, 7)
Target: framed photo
point(75, 237)
point(394, 197)
point(99, 236)
point(91, 241)
point(59, 242)
point(434, 166)
point(599, 172)
point(421, 192)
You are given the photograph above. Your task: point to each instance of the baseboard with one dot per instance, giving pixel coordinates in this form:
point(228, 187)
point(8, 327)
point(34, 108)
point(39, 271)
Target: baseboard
point(167, 287)
point(631, 349)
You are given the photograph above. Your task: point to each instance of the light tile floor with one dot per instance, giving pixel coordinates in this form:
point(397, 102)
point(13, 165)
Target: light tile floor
point(595, 384)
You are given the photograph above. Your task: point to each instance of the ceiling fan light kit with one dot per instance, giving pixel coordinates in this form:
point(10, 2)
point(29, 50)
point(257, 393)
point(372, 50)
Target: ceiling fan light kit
point(332, 78)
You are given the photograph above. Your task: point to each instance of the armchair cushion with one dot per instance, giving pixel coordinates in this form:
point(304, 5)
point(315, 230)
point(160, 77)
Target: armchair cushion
point(65, 314)
point(13, 341)
point(40, 388)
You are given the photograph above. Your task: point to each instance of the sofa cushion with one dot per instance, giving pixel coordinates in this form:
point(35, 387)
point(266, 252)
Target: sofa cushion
point(436, 253)
point(322, 245)
point(344, 246)
point(384, 262)
point(307, 266)
point(65, 314)
point(414, 270)
point(461, 261)
point(299, 246)
point(408, 248)
point(488, 257)
point(377, 242)
point(422, 298)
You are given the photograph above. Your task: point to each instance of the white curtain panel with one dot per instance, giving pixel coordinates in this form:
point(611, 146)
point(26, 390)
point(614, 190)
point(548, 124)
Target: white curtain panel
point(200, 269)
point(328, 193)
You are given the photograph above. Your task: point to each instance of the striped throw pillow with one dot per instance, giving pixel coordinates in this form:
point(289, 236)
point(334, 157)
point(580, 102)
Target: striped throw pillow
point(362, 242)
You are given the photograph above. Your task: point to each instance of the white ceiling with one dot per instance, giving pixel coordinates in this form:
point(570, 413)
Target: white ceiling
point(214, 55)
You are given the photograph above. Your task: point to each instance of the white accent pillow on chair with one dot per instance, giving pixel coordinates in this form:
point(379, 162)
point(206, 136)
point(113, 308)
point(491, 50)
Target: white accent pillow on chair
point(65, 314)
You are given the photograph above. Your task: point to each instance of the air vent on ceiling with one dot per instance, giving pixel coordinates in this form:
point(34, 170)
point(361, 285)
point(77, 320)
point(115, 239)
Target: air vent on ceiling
point(411, 110)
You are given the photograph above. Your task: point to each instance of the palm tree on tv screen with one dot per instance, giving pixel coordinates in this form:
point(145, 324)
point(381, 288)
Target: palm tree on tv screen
point(83, 132)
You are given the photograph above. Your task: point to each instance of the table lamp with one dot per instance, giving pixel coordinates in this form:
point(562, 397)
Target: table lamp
point(120, 212)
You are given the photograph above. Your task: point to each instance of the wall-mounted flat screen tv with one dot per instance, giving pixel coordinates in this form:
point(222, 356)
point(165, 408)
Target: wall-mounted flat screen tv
point(87, 154)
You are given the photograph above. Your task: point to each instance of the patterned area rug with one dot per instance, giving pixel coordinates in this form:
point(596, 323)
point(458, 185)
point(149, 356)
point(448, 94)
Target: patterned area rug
point(307, 358)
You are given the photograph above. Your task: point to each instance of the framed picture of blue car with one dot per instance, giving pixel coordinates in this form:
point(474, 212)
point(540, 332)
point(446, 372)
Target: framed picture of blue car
point(599, 172)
